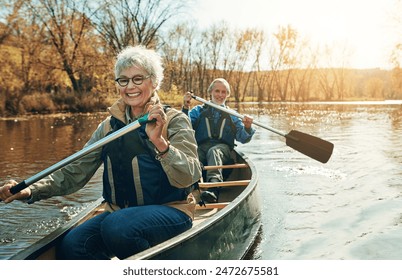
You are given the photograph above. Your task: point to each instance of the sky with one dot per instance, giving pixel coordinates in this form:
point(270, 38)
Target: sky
point(365, 28)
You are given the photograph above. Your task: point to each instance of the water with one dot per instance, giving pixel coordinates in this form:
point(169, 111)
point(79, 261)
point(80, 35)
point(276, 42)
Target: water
point(348, 208)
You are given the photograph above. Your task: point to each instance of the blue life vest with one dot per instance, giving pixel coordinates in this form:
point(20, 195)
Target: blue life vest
point(132, 176)
point(214, 125)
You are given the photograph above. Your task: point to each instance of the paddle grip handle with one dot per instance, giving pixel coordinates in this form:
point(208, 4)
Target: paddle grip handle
point(24, 184)
point(144, 120)
point(19, 187)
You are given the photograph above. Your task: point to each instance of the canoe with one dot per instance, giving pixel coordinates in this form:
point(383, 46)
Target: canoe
point(225, 230)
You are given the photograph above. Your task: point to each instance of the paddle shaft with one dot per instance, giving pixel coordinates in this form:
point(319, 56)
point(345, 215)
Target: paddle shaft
point(131, 127)
point(236, 114)
point(309, 145)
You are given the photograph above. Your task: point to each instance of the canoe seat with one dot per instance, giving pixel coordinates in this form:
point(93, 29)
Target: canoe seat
point(227, 166)
point(226, 169)
point(237, 183)
point(212, 206)
point(232, 183)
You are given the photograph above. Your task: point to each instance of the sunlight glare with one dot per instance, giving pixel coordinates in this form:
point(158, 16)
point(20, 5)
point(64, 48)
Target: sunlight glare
point(364, 27)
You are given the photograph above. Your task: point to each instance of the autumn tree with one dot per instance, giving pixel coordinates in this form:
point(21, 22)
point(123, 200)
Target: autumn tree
point(67, 28)
point(201, 71)
point(122, 23)
point(396, 54)
point(208, 53)
point(242, 61)
point(27, 70)
point(214, 39)
point(262, 76)
point(333, 79)
point(284, 58)
point(396, 59)
point(10, 15)
point(9, 98)
point(177, 52)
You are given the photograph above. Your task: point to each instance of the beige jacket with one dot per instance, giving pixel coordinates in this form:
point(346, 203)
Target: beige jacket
point(181, 163)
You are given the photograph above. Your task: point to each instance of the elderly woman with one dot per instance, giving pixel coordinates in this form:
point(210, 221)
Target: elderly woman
point(147, 176)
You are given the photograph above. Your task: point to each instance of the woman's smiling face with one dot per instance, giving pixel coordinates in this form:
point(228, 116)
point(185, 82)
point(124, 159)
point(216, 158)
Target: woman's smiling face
point(134, 95)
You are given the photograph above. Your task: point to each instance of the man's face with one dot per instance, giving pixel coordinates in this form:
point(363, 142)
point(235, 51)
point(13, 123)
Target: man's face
point(219, 93)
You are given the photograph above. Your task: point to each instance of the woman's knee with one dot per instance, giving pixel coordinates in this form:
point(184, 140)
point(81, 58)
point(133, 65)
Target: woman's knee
point(69, 247)
point(122, 239)
point(82, 242)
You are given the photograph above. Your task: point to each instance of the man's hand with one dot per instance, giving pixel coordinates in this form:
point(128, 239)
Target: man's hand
point(187, 100)
point(247, 121)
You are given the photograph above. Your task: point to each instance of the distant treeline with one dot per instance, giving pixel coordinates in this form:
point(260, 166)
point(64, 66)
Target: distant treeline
point(58, 55)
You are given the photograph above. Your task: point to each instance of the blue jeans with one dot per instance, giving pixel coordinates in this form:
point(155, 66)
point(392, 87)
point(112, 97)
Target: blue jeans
point(123, 233)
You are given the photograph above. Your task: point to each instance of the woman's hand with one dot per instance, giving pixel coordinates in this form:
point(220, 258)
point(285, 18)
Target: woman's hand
point(154, 130)
point(7, 196)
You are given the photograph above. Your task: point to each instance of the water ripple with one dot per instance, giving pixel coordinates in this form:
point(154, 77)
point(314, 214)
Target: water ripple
point(348, 208)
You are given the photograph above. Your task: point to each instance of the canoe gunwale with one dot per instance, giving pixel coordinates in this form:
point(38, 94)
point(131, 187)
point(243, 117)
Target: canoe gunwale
point(35, 250)
point(205, 225)
point(38, 248)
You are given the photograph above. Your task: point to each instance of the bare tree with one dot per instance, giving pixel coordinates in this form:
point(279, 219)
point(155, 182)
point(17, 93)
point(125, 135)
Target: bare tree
point(214, 44)
point(242, 61)
point(177, 52)
point(29, 36)
point(207, 51)
point(10, 11)
point(396, 54)
point(261, 77)
point(23, 41)
point(201, 70)
point(123, 22)
point(284, 58)
point(67, 26)
point(334, 79)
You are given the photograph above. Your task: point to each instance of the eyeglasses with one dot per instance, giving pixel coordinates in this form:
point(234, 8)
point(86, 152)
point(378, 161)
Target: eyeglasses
point(137, 80)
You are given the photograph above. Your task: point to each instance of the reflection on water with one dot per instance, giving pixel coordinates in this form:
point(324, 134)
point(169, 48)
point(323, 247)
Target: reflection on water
point(29, 145)
point(348, 208)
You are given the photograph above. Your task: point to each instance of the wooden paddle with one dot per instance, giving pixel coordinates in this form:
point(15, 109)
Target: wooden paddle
point(131, 127)
point(309, 145)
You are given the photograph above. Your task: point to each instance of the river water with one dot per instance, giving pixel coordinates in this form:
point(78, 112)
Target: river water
point(349, 208)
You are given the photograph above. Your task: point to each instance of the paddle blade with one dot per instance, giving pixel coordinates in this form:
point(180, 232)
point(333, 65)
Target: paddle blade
point(309, 145)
